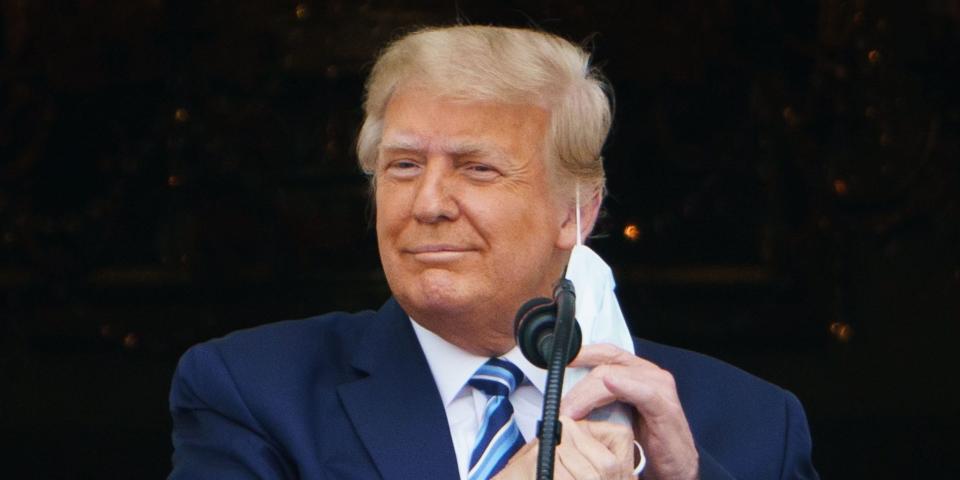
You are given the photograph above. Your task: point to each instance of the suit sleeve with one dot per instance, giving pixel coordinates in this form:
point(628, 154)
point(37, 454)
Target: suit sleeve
point(214, 433)
point(710, 469)
point(797, 459)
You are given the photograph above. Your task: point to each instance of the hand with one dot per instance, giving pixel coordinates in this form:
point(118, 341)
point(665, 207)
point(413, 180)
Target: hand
point(588, 450)
point(661, 427)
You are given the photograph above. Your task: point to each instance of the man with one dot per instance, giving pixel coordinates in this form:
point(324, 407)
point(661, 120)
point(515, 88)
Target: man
point(483, 146)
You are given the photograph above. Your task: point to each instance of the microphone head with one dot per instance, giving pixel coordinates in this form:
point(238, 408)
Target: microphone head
point(533, 328)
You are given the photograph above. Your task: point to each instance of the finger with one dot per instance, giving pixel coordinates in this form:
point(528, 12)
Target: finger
point(522, 465)
point(592, 392)
point(616, 437)
point(560, 472)
point(651, 398)
point(604, 353)
point(571, 457)
point(587, 395)
point(604, 445)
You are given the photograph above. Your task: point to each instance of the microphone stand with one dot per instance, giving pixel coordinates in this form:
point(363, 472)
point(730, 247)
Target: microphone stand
point(549, 430)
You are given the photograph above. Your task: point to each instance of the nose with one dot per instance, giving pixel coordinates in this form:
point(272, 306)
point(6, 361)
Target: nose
point(435, 199)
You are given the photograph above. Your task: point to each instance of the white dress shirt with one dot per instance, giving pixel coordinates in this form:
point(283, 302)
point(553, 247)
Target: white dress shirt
point(452, 367)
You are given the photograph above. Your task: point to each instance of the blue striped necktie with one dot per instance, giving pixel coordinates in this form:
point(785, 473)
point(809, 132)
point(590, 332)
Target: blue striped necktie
point(498, 438)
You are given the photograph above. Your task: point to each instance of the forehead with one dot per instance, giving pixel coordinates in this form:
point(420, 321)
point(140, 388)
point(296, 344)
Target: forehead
point(420, 121)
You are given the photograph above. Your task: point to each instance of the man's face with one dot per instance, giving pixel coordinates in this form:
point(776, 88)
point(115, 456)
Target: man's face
point(468, 224)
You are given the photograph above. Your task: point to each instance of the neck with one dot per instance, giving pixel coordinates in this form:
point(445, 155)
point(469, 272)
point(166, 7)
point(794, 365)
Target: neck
point(473, 332)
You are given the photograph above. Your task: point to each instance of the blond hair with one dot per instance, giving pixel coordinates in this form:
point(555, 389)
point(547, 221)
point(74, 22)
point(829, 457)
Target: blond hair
point(507, 65)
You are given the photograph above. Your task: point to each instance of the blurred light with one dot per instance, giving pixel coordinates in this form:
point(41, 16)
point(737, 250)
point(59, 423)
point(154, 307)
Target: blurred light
point(106, 331)
point(841, 331)
point(840, 187)
point(882, 24)
point(302, 11)
point(884, 139)
point(873, 56)
point(790, 116)
point(184, 259)
point(332, 71)
point(174, 181)
point(181, 115)
point(840, 71)
point(870, 112)
point(131, 341)
point(632, 232)
point(858, 18)
point(9, 237)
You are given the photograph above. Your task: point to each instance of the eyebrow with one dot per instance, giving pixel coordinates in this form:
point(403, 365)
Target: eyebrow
point(457, 148)
point(406, 143)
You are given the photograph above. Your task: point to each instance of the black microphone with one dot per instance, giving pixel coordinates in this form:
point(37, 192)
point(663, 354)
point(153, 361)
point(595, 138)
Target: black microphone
point(536, 323)
point(549, 336)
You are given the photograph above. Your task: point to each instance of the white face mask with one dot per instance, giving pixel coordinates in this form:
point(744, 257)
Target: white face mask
point(598, 310)
point(598, 313)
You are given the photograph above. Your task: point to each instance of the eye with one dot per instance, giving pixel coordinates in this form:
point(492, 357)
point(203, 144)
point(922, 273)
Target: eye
point(403, 168)
point(481, 171)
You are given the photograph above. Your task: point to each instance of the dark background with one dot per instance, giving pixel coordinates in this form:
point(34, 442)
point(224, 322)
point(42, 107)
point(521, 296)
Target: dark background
point(784, 196)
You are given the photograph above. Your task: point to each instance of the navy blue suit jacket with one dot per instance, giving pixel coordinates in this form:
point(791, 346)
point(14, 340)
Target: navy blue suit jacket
point(351, 396)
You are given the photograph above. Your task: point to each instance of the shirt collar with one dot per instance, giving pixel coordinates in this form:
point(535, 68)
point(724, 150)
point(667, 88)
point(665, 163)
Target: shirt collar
point(453, 366)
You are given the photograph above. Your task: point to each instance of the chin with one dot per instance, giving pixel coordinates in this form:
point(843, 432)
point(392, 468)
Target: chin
point(455, 309)
point(439, 293)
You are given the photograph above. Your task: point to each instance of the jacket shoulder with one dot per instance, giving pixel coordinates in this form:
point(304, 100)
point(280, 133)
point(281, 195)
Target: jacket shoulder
point(247, 401)
point(329, 335)
point(702, 372)
point(711, 386)
point(279, 357)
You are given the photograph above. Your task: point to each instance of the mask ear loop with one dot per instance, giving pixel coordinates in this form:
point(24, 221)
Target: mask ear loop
point(579, 237)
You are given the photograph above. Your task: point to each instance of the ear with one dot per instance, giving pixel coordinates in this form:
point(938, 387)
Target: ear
point(589, 210)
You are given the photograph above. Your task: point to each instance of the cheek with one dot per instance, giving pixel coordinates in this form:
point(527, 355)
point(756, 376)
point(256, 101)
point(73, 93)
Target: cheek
point(389, 213)
point(518, 223)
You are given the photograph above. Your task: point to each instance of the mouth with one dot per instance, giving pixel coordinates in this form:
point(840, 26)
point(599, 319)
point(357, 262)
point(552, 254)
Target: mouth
point(438, 253)
point(434, 248)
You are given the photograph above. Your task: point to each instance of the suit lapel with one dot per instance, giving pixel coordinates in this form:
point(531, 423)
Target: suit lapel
point(396, 409)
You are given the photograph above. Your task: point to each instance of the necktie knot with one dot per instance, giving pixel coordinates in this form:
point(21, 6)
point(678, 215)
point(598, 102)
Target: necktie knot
point(497, 377)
